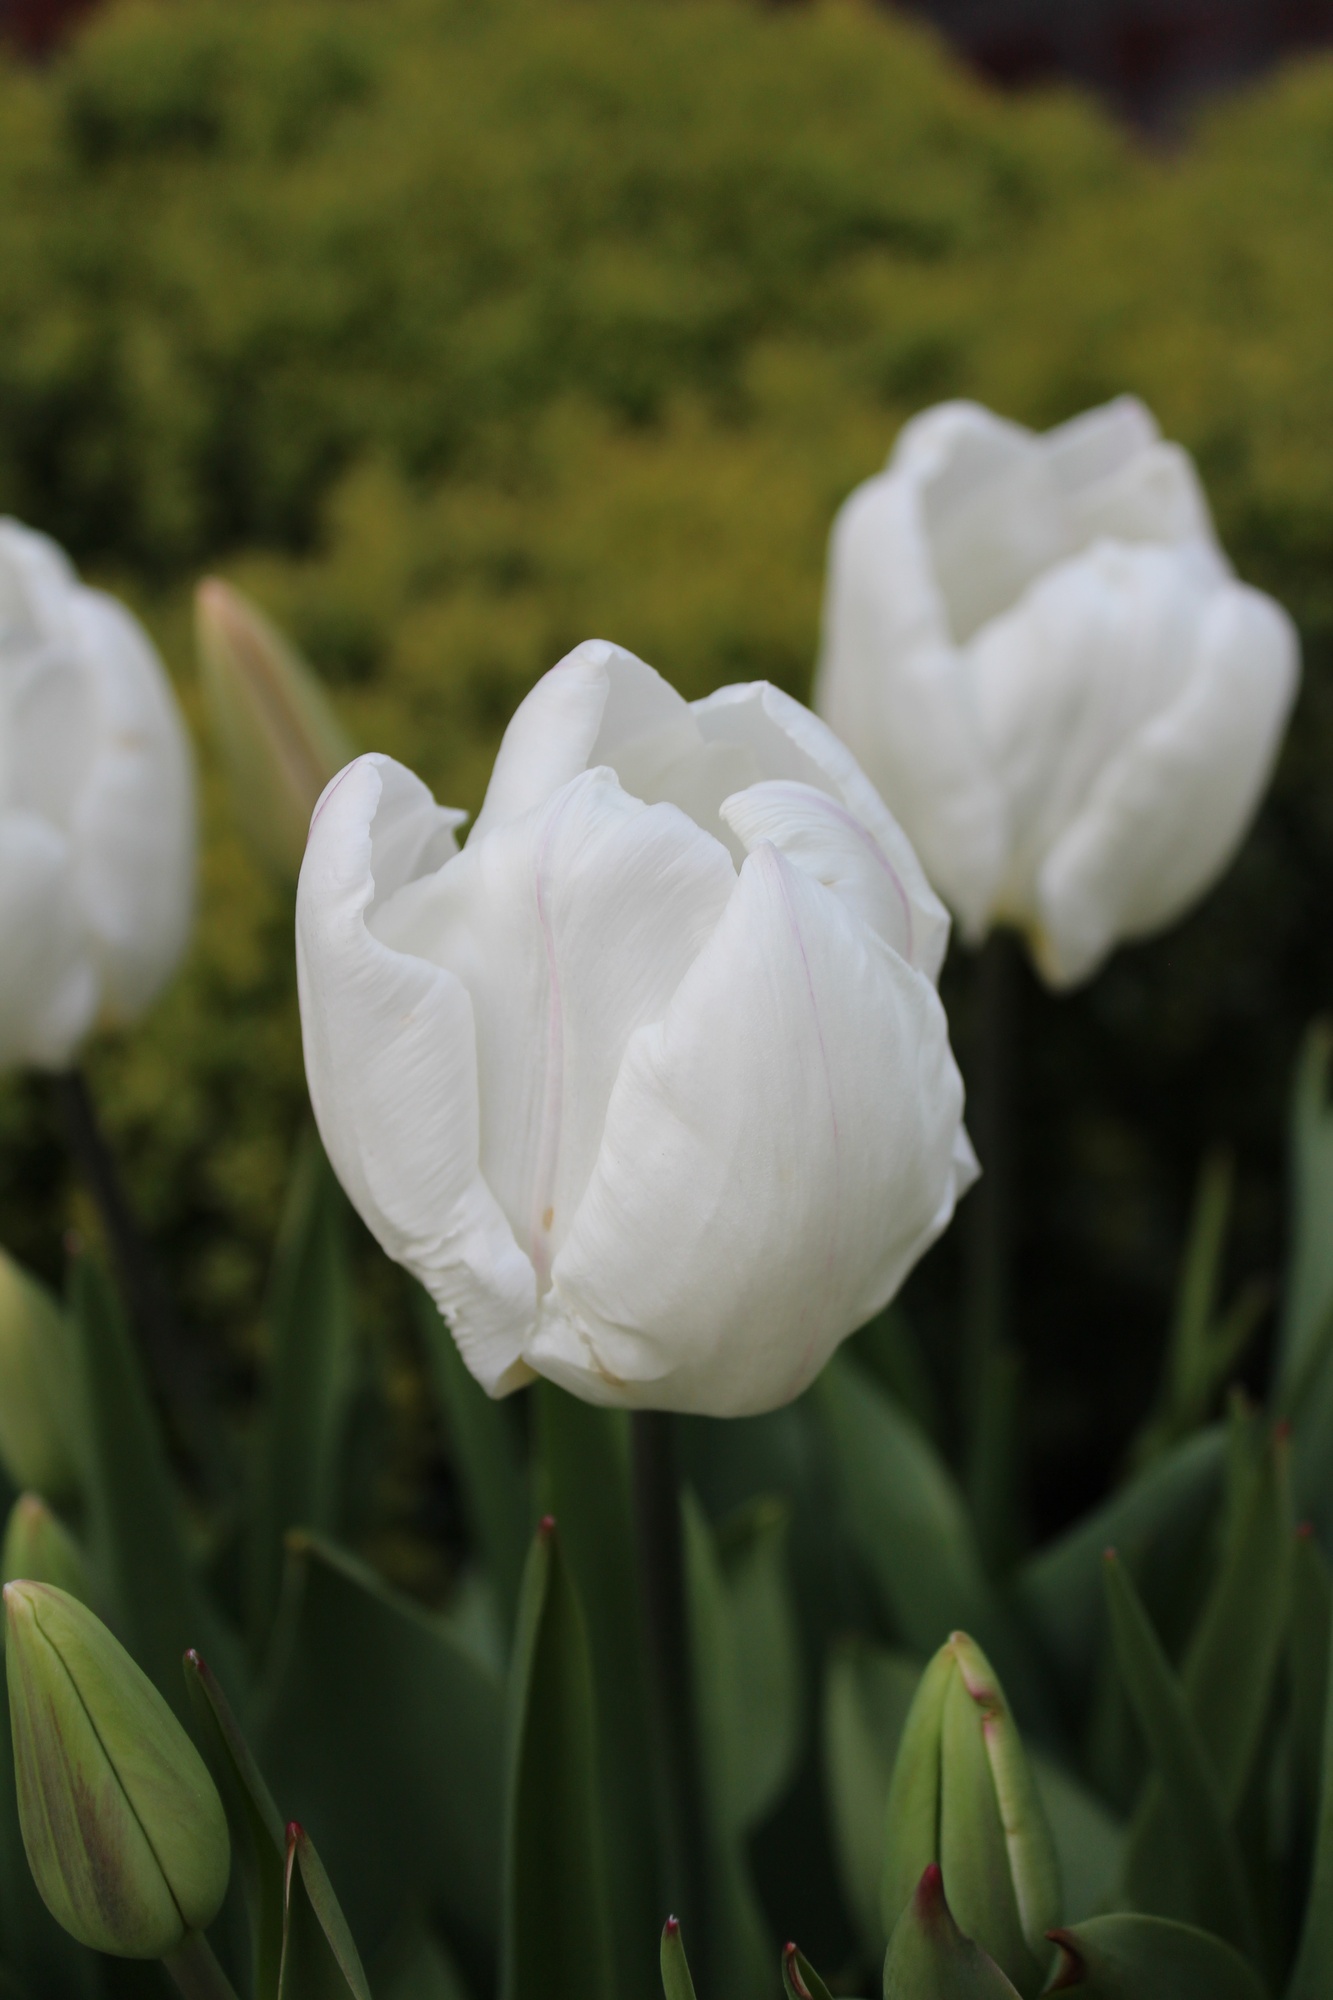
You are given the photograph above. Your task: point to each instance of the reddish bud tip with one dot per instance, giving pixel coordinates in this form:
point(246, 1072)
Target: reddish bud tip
point(1110, 1553)
point(1073, 1968)
point(793, 1972)
point(546, 1527)
point(930, 1890)
point(1282, 1431)
point(295, 1832)
point(1304, 1531)
point(671, 1926)
point(192, 1659)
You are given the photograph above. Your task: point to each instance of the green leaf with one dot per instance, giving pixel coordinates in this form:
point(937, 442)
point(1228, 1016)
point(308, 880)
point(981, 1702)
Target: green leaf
point(867, 1695)
point(556, 1939)
point(739, 1956)
point(383, 1732)
point(1208, 1854)
point(800, 1981)
point(910, 1526)
point(310, 1382)
point(1151, 1958)
point(929, 1958)
point(1313, 1976)
point(319, 1958)
point(481, 1433)
point(752, 1550)
point(1309, 1290)
point(258, 1839)
point(583, 1459)
point(138, 1545)
point(1061, 1589)
point(417, 1967)
point(1309, 1647)
point(676, 1981)
point(1089, 1838)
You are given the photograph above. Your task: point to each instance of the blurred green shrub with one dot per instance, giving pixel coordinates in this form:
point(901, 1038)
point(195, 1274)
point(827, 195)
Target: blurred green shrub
point(458, 330)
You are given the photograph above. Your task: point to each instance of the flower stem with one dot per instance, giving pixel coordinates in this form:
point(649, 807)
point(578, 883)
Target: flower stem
point(196, 1971)
point(991, 1361)
point(658, 1540)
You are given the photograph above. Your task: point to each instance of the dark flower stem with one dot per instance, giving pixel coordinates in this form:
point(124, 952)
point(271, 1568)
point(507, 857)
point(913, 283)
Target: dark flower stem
point(661, 1563)
point(196, 1971)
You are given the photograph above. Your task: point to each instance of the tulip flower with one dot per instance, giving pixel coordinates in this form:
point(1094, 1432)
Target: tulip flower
point(1037, 649)
point(122, 1825)
point(280, 740)
point(96, 809)
point(649, 1085)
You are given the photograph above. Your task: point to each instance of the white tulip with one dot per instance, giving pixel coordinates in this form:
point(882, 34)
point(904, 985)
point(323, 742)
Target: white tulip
point(649, 1084)
point(1039, 652)
point(96, 809)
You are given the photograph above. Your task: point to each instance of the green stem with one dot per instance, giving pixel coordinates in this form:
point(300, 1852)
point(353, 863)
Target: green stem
point(197, 1972)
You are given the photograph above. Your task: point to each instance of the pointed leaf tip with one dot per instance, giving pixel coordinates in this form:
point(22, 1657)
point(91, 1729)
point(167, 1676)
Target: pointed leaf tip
point(671, 1926)
point(1073, 1966)
point(1304, 1531)
point(792, 1972)
point(546, 1527)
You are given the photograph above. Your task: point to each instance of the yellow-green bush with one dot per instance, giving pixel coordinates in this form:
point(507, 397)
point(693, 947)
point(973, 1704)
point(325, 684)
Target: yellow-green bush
point(457, 330)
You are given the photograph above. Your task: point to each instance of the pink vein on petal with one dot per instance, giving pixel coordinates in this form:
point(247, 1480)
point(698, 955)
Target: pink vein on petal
point(848, 819)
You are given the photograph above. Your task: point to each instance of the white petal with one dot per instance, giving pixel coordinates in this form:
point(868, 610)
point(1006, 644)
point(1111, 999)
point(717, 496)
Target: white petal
point(133, 823)
point(891, 683)
point(1120, 480)
point(829, 844)
point(35, 582)
point(48, 982)
point(778, 1152)
point(390, 1053)
point(1166, 816)
point(787, 741)
point(570, 927)
point(550, 736)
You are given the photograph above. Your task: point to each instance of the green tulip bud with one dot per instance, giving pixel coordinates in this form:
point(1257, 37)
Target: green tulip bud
point(963, 1797)
point(280, 739)
point(36, 1385)
point(929, 1957)
point(39, 1547)
point(122, 1825)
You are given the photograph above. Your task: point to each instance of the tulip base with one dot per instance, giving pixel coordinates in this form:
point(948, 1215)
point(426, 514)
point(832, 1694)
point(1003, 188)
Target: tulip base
point(196, 1971)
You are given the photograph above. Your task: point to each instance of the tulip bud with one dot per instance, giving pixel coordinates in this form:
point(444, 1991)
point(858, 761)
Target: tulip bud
point(39, 1547)
point(280, 739)
point(36, 1385)
point(122, 1825)
point(963, 1797)
point(928, 1955)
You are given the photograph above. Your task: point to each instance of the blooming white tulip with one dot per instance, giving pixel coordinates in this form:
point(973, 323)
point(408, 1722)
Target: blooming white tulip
point(96, 809)
point(1039, 652)
point(649, 1084)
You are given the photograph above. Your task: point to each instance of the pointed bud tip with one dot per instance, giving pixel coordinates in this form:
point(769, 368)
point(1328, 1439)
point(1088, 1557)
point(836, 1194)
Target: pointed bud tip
point(1282, 1431)
point(295, 1832)
point(793, 1973)
point(930, 1889)
point(1110, 1553)
point(193, 1660)
point(671, 1926)
point(1072, 1969)
point(1305, 1531)
point(546, 1527)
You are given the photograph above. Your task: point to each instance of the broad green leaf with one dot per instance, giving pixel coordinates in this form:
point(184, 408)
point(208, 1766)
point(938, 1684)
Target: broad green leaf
point(258, 1837)
point(556, 1941)
point(800, 1981)
point(675, 1969)
point(1208, 1855)
point(385, 1734)
point(739, 1954)
point(310, 1380)
point(1313, 1976)
point(1150, 1958)
point(417, 1967)
point(320, 1960)
point(929, 1958)
point(136, 1537)
point(584, 1474)
point(867, 1695)
point(1309, 1289)
point(1309, 1648)
point(485, 1450)
point(1088, 1836)
point(752, 1549)
point(909, 1524)
point(889, 1351)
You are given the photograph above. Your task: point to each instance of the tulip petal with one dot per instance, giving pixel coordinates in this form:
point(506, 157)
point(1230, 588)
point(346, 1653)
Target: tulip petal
point(1166, 815)
point(390, 1052)
point(48, 983)
point(830, 844)
point(550, 735)
point(788, 741)
point(570, 927)
point(1119, 479)
point(778, 1151)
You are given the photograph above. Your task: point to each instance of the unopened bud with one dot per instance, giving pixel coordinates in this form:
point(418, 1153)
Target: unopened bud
point(39, 1548)
point(37, 1392)
point(963, 1798)
point(280, 739)
point(929, 1956)
point(122, 1825)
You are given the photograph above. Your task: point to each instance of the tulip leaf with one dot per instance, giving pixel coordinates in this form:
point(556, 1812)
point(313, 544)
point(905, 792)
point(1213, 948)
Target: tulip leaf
point(1089, 1838)
point(320, 1961)
point(929, 1958)
point(739, 1956)
point(752, 1550)
point(1135, 1957)
point(1061, 1588)
point(137, 1541)
point(1309, 1648)
point(676, 1981)
point(556, 1942)
point(867, 1695)
point(1210, 1862)
point(1313, 1975)
point(485, 1451)
point(584, 1471)
point(800, 1981)
point(417, 1967)
point(377, 1727)
point(1308, 1309)
point(258, 1838)
point(909, 1524)
point(311, 1379)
